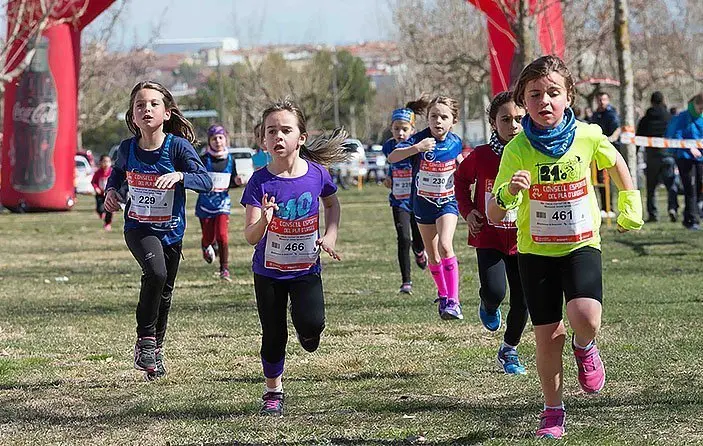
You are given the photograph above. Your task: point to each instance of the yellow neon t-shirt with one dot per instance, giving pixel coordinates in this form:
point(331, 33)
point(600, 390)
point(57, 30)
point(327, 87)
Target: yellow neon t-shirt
point(559, 213)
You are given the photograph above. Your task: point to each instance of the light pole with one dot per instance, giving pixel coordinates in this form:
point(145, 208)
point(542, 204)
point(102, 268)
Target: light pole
point(335, 88)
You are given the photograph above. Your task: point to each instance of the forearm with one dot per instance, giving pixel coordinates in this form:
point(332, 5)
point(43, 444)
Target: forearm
point(620, 174)
point(254, 232)
point(400, 154)
point(333, 213)
point(494, 212)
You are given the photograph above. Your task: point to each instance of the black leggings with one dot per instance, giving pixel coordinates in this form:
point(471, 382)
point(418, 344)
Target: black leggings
point(493, 266)
point(408, 234)
point(159, 265)
point(100, 208)
point(307, 310)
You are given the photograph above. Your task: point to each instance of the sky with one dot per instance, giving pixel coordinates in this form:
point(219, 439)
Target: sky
point(255, 22)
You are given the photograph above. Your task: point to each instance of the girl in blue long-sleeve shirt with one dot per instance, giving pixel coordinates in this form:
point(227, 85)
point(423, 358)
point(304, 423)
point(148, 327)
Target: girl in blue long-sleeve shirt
point(158, 164)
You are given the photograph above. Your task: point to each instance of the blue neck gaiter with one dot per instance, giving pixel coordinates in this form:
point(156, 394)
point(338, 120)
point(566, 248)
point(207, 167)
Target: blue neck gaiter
point(552, 142)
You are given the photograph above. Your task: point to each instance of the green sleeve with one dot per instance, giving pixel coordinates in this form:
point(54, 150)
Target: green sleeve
point(509, 164)
point(605, 154)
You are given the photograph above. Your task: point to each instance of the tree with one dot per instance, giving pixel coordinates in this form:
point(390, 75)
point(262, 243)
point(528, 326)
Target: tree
point(444, 46)
point(627, 103)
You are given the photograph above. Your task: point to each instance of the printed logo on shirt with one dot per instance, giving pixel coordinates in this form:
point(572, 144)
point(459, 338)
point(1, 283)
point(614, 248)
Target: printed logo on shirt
point(563, 171)
point(295, 207)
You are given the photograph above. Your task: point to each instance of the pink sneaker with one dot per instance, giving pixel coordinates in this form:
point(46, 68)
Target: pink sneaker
point(552, 424)
point(591, 369)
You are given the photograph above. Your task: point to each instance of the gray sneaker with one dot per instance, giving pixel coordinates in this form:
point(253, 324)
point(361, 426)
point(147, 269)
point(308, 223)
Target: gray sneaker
point(145, 354)
point(160, 370)
point(273, 404)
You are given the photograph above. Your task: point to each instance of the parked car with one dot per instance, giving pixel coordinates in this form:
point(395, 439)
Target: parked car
point(83, 176)
point(347, 172)
point(377, 164)
point(242, 159)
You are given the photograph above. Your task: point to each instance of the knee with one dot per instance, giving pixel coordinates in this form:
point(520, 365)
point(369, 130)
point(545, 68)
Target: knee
point(157, 276)
point(445, 248)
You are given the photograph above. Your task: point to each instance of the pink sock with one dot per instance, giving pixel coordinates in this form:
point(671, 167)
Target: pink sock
point(450, 270)
point(438, 277)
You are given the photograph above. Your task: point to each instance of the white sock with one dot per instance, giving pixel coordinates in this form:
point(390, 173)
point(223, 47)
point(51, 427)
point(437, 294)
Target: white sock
point(590, 344)
point(505, 346)
point(560, 406)
point(278, 389)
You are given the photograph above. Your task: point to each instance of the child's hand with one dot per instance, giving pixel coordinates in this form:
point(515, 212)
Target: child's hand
point(112, 201)
point(327, 244)
point(388, 182)
point(695, 152)
point(267, 208)
point(238, 180)
point(426, 145)
point(168, 180)
point(475, 222)
point(622, 230)
point(520, 181)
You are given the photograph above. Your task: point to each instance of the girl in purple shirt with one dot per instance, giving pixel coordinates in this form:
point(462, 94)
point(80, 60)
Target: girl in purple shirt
point(282, 217)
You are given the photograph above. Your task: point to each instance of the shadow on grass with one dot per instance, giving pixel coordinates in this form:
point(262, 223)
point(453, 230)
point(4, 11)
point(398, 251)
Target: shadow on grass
point(476, 438)
point(640, 246)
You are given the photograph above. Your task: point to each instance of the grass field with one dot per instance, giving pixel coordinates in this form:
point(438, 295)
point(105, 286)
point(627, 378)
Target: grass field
point(388, 370)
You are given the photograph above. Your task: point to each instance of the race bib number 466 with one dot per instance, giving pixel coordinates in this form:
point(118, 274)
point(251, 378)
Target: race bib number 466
point(290, 244)
point(147, 203)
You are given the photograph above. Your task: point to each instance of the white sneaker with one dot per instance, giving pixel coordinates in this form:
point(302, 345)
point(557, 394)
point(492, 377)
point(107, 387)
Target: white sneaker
point(209, 254)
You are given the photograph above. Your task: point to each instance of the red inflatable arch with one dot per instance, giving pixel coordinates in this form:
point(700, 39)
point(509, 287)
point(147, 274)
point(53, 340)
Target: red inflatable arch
point(41, 108)
point(502, 42)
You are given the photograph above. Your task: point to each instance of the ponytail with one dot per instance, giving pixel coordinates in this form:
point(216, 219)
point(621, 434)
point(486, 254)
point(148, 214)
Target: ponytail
point(326, 150)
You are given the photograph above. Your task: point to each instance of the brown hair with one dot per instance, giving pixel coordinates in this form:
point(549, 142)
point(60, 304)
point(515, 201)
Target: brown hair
point(177, 124)
point(324, 149)
point(500, 99)
point(419, 105)
point(449, 102)
point(697, 99)
point(541, 67)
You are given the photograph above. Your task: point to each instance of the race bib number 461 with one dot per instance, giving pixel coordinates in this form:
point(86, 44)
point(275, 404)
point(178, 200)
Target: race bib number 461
point(560, 213)
point(290, 244)
point(149, 204)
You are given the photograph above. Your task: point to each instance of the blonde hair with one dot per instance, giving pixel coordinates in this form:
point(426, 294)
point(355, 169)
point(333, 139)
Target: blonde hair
point(325, 149)
point(177, 123)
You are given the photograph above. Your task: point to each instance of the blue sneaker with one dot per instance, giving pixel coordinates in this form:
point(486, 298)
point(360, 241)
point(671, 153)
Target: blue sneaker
point(451, 311)
point(442, 304)
point(508, 360)
point(490, 320)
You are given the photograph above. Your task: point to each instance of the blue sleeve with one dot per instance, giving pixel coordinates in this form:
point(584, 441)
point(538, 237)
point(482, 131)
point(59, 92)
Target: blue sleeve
point(186, 160)
point(252, 193)
point(328, 186)
point(119, 167)
point(674, 130)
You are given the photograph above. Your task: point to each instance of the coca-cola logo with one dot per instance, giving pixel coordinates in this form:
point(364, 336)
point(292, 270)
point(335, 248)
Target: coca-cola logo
point(42, 113)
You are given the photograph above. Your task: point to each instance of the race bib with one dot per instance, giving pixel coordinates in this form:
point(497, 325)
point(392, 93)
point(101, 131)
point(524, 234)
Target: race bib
point(436, 179)
point(402, 181)
point(149, 204)
point(560, 213)
point(220, 181)
point(290, 244)
point(508, 222)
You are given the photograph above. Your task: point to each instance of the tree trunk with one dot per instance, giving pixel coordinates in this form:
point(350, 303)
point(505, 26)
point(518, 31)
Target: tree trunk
point(627, 92)
point(524, 34)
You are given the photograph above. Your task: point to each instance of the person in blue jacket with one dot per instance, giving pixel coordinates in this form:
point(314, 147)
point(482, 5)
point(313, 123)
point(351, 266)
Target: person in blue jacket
point(689, 125)
point(159, 163)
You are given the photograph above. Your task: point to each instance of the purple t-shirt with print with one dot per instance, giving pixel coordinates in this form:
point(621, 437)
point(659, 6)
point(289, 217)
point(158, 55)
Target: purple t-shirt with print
point(289, 253)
